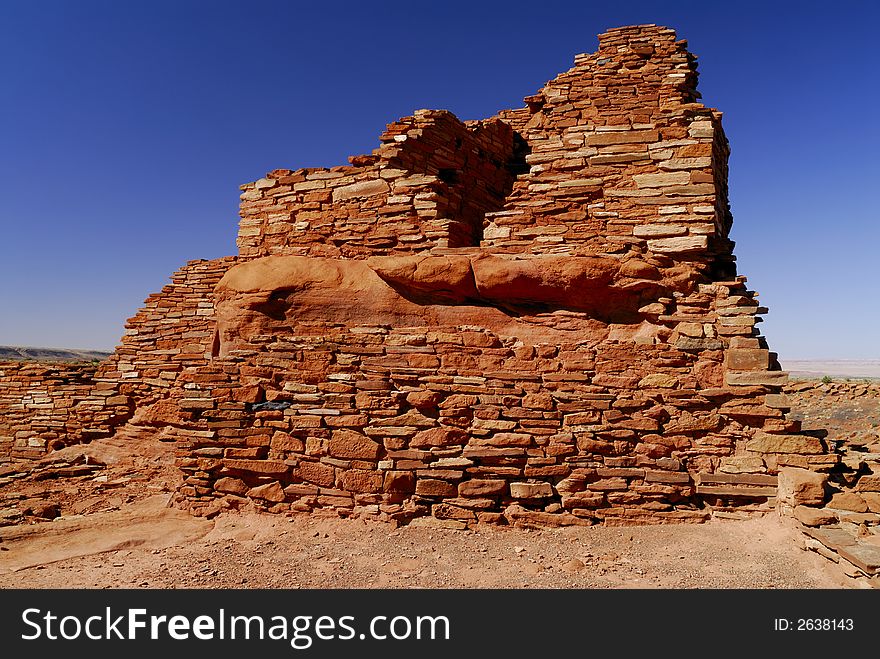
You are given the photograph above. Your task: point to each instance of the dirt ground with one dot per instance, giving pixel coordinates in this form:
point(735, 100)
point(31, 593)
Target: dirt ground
point(147, 545)
point(114, 529)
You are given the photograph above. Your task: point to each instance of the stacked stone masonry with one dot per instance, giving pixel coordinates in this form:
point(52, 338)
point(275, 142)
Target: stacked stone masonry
point(839, 511)
point(38, 403)
point(532, 319)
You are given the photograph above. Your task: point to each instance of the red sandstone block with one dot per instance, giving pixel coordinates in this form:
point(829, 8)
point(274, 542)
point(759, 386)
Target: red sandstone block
point(459, 400)
point(403, 482)
point(608, 484)
point(231, 486)
point(347, 421)
point(622, 137)
point(439, 437)
point(316, 472)
point(589, 417)
point(435, 488)
point(268, 492)
point(442, 474)
point(347, 444)
point(423, 400)
point(269, 467)
point(509, 439)
point(638, 423)
point(297, 490)
point(538, 401)
point(362, 481)
point(248, 394)
point(281, 441)
point(259, 439)
point(410, 464)
point(250, 452)
point(747, 359)
point(868, 483)
point(446, 511)
point(582, 500)
point(548, 472)
point(531, 490)
point(482, 488)
point(667, 477)
point(588, 444)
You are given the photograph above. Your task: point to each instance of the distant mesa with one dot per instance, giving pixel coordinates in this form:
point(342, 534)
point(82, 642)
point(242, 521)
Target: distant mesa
point(19, 353)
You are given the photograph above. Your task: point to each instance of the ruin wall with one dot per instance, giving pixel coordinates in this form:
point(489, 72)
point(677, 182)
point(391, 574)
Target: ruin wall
point(531, 319)
point(38, 405)
point(428, 185)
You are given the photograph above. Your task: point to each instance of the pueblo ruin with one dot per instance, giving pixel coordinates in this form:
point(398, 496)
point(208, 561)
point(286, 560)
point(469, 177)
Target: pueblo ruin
point(534, 318)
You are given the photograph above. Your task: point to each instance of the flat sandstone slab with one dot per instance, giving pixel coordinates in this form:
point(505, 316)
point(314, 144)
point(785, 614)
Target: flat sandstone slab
point(147, 524)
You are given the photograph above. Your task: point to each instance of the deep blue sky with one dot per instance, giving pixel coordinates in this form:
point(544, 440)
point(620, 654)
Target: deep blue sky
point(126, 129)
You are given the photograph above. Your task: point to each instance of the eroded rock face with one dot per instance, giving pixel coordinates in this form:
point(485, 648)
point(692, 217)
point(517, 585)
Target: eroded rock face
point(532, 319)
point(273, 295)
point(255, 297)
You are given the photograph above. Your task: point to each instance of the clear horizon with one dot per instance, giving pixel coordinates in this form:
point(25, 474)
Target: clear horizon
point(128, 129)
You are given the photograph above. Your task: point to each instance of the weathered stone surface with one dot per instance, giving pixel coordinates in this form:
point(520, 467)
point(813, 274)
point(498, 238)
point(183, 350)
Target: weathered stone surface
point(348, 444)
point(799, 487)
point(268, 467)
point(685, 163)
point(229, 485)
point(742, 464)
point(848, 501)
point(447, 277)
point(872, 500)
point(748, 359)
point(864, 556)
point(531, 490)
point(622, 137)
point(738, 479)
point(365, 189)
point(438, 437)
point(467, 316)
point(832, 538)
point(316, 472)
point(358, 480)
point(659, 230)
point(399, 482)
point(868, 484)
point(773, 378)
point(482, 488)
point(814, 516)
point(282, 441)
point(429, 487)
point(660, 380)
point(681, 245)
point(522, 517)
point(661, 180)
point(767, 443)
point(268, 492)
point(777, 401)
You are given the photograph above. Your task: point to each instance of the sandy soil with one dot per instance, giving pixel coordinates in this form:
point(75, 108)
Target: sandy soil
point(147, 545)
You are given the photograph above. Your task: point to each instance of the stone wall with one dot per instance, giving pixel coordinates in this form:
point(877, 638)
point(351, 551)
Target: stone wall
point(39, 403)
point(664, 405)
point(622, 158)
point(173, 331)
point(429, 184)
point(50, 405)
point(532, 319)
